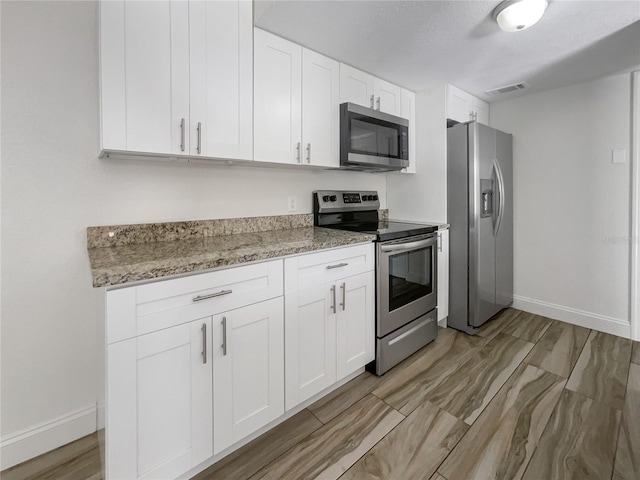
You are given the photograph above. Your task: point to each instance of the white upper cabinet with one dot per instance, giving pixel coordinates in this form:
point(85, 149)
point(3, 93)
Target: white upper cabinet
point(463, 107)
point(408, 111)
point(277, 99)
point(144, 75)
point(388, 97)
point(320, 109)
point(176, 77)
point(356, 86)
point(296, 95)
point(364, 89)
point(221, 55)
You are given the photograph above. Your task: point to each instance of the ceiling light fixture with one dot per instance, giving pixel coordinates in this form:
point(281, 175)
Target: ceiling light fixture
point(516, 15)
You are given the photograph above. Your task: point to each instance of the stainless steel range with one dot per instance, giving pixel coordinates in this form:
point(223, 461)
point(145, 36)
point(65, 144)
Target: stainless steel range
point(406, 272)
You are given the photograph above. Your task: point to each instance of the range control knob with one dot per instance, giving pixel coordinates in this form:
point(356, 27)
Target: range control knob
point(375, 197)
point(333, 198)
point(325, 198)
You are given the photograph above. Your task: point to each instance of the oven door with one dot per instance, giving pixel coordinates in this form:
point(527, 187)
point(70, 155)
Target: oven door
point(406, 281)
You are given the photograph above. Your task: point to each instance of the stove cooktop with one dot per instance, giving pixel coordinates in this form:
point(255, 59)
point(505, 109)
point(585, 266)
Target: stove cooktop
point(357, 211)
point(388, 229)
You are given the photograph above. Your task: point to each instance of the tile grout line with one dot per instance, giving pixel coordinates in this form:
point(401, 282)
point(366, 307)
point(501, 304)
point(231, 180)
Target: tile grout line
point(316, 417)
point(374, 445)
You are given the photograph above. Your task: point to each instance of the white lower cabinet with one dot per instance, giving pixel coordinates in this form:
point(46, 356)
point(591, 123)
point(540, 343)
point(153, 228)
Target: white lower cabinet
point(329, 324)
point(310, 346)
point(248, 370)
point(355, 330)
point(160, 403)
point(197, 364)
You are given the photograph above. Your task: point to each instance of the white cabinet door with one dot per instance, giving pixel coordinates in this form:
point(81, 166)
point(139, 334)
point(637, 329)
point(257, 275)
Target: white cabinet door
point(364, 89)
point(310, 342)
point(356, 86)
point(221, 53)
point(159, 422)
point(277, 99)
point(248, 367)
point(481, 110)
point(408, 111)
point(462, 107)
point(458, 107)
point(443, 277)
point(320, 109)
point(388, 97)
point(144, 55)
point(355, 323)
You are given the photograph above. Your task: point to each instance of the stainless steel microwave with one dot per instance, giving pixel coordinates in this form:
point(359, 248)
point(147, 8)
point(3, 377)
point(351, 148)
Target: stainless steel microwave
point(371, 140)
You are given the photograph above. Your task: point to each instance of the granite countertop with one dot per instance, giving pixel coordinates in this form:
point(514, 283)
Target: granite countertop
point(117, 265)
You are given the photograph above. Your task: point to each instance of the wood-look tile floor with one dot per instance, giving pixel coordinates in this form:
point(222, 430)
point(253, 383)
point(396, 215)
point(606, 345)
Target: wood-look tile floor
point(526, 398)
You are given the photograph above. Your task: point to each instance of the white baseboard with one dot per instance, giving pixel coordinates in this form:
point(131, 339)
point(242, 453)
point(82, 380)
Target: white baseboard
point(574, 316)
point(26, 444)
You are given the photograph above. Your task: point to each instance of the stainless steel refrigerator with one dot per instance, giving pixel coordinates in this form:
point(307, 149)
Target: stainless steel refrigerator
point(480, 212)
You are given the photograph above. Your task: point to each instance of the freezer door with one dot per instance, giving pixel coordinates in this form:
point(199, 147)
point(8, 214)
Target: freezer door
point(504, 230)
point(483, 208)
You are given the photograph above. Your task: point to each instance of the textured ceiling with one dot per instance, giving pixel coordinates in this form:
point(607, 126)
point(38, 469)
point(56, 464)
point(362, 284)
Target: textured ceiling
point(413, 43)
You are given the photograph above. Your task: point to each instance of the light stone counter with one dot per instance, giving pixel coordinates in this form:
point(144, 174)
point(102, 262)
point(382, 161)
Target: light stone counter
point(117, 265)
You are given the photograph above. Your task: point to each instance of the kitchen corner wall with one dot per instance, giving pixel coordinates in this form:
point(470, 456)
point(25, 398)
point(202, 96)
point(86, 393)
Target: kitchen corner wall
point(423, 196)
point(54, 186)
point(571, 203)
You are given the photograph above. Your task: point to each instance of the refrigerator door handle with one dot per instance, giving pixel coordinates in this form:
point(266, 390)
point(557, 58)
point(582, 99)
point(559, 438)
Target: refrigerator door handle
point(500, 181)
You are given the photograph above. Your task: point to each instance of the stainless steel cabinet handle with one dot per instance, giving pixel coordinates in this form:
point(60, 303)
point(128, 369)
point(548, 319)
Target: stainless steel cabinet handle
point(224, 336)
point(333, 295)
point(199, 298)
point(378, 104)
point(371, 99)
point(199, 148)
point(344, 295)
point(308, 153)
point(298, 152)
point(204, 343)
point(337, 265)
point(182, 135)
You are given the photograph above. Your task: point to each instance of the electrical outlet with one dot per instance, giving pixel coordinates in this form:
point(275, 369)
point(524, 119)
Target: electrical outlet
point(292, 203)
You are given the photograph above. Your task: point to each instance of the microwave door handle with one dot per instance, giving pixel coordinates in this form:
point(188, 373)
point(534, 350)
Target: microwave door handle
point(404, 247)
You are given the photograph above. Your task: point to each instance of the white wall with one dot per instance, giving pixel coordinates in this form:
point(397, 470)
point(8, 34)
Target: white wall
point(571, 204)
point(53, 187)
point(423, 196)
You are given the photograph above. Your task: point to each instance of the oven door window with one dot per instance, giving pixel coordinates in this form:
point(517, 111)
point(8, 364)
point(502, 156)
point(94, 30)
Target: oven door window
point(410, 277)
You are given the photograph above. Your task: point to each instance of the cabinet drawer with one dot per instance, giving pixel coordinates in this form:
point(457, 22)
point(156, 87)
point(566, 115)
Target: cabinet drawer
point(328, 266)
point(147, 308)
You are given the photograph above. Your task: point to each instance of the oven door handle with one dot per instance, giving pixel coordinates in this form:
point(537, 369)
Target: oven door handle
point(404, 247)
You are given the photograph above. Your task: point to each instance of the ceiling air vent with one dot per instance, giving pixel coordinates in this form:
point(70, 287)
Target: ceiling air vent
point(507, 89)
